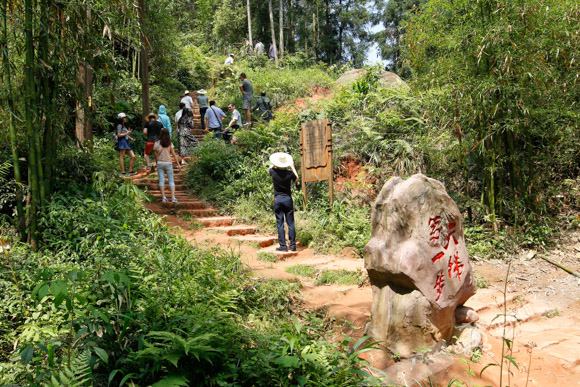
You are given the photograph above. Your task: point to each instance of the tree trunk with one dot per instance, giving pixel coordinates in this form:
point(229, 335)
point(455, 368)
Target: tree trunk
point(83, 126)
point(314, 36)
point(291, 41)
point(249, 22)
point(281, 22)
point(30, 117)
point(15, 160)
point(144, 62)
point(273, 30)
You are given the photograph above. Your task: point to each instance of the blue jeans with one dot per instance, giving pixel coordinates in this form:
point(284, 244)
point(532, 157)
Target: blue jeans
point(217, 132)
point(163, 168)
point(284, 208)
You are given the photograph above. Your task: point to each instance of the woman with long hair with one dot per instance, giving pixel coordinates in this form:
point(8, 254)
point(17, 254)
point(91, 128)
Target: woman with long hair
point(163, 151)
point(123, 137)
point(186, 141)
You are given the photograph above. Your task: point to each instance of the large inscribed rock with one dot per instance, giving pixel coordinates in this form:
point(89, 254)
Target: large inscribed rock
point(417, 264)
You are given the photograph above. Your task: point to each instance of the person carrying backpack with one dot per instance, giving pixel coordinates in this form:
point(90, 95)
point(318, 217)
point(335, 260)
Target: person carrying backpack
point(123, 137)
point(264, 107)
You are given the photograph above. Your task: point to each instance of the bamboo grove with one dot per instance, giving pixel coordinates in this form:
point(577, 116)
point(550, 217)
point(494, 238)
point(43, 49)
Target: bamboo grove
point(509, 72)
point(58, 45)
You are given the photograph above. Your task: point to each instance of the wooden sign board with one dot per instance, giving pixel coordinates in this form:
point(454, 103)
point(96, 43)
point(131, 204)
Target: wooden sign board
point(316, 154)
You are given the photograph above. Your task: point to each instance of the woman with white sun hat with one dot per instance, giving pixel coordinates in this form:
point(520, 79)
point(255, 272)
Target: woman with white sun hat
point(283, 174)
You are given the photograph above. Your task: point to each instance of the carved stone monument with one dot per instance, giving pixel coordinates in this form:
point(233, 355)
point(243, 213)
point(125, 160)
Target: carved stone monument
point(417, 264)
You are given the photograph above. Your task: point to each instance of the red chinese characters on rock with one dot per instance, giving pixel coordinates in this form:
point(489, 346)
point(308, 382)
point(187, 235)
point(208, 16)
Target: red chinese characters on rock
point(454, 264)
point(439, 284)
point(435, 229)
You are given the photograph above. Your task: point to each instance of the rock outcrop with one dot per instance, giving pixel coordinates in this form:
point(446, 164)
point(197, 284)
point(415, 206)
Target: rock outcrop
point(386, 78)
point(417, 263)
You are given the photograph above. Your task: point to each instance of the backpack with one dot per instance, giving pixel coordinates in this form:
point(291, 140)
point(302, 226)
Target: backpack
point(115, 139)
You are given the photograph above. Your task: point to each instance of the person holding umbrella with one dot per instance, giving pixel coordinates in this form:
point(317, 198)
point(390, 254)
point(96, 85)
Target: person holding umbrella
point(283, 174)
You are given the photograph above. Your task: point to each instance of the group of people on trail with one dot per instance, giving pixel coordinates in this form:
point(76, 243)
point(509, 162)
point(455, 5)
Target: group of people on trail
point(158, 133)
point(258, 49)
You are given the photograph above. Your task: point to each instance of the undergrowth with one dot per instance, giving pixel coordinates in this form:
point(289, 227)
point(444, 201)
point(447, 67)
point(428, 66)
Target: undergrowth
point(113, 298)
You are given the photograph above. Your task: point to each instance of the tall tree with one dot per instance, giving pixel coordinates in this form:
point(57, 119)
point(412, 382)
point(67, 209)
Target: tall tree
point(10, 105)
point(273, 30)
point(281, 24)
point(83, 124)
point(393, 15)
point(249, 22)
point(144, 73)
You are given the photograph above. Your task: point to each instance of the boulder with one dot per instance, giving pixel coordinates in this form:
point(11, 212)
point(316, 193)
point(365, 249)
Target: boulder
point(417, 264)
point(386, 79)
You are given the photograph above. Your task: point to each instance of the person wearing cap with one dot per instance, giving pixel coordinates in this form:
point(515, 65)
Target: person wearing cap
point(283, 174)
point(187, 100)
point(151, 131)
point(202, 102)
point(229, 60)
point(124, 135)
point(247, 96)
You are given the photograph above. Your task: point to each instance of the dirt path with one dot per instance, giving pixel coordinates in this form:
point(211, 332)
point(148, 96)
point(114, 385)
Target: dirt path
point(543, 302)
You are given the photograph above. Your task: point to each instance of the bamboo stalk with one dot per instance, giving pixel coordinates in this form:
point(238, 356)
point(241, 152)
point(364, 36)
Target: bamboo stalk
point(569, 271)
point(13, 144)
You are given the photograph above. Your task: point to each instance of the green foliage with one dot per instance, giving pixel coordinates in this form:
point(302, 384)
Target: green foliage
point(114, 298)
point(506, 103)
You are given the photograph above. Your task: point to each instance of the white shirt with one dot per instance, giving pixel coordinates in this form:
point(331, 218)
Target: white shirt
point(178, 115)
point(236, 116)
point(188, 101)
point(229, 61)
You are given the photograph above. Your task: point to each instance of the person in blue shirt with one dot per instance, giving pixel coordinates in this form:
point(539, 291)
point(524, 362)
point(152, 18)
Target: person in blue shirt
point(213, 119)
point(164, 118)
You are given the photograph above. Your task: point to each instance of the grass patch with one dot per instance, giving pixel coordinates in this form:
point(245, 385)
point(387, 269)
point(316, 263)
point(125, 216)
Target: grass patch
point(553, 313)
point(302, 270)
point(341, 277)
point(193, 225)
point(267, 257)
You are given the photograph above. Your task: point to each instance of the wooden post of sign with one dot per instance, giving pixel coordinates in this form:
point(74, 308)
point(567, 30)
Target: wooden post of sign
point(329, 149)
point(303, 174)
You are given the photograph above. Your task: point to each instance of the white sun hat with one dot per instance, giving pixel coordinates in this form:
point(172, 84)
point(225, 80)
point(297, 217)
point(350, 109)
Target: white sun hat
point(186, 92)
point(281, 160)
point(121, 115)
point(202, 91)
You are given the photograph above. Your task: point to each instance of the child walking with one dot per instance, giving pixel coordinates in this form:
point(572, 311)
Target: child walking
point(163, 151)
point(124, 135)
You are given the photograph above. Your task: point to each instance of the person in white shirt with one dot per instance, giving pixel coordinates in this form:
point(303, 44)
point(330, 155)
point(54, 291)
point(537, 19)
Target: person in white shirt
point(259, 47)
point(187, 100)
point(230, 60)
point(179, 113)
point(234, 124)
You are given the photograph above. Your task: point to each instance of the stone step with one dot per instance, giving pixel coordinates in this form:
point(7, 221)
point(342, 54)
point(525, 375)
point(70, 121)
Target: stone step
point(280, 255)
point(197, 212)
point(261, 240)
point(200, 213)
point(155, 187)
point(184, 205)
point(495, 319)
point(217, 221)
point(149, 180)
point(235, 230)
